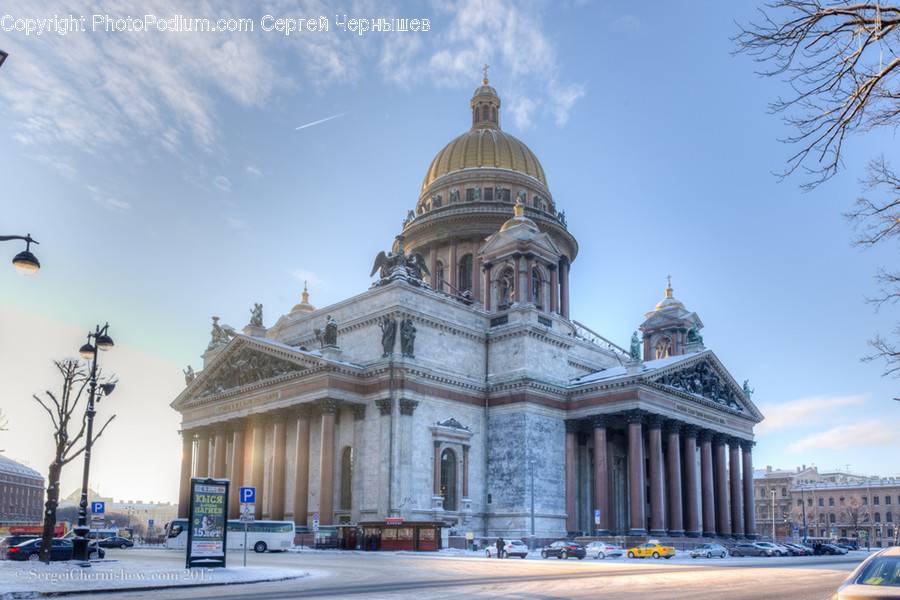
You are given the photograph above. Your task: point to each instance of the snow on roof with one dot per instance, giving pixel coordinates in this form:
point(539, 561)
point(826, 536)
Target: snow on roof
point(8, 465)
point(619, 371)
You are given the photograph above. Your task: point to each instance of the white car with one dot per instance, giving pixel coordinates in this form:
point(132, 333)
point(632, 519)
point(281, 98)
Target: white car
point(709, 550)
point(510, 549)
point(603, 549)
point(877, 577)
point(777, 549)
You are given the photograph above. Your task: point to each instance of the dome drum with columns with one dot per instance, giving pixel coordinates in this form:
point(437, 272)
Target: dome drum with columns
point(398, 402)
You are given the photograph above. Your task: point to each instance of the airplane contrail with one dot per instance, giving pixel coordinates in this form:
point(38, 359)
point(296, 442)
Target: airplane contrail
point(322, 120)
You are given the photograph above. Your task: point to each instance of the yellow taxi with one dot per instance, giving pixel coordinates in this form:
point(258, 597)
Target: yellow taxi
point(654, 549)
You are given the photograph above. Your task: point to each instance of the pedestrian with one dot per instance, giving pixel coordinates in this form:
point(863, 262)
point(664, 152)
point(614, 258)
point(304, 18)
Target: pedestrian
point(500, 545)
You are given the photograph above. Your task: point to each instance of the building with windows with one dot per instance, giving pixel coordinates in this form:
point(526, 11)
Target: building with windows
point(21, 493)
point(832, 505)
point(458, 387)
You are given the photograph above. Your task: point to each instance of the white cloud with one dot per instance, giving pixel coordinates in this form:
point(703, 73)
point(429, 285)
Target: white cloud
point(222, 183)
point(626, 24)
point(311, 279)
point(803, 412)
point(234, 222)
point(254, 171)
point(107, 201)
point(858, 435)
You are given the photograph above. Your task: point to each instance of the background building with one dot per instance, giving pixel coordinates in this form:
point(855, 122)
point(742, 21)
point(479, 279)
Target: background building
point(458, 388)
point(837, 505)
point(21, 493)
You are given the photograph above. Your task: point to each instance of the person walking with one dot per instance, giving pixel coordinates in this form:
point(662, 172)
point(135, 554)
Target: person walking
point(500, 545)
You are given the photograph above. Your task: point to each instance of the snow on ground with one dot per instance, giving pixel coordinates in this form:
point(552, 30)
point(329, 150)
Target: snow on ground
point(21, 579)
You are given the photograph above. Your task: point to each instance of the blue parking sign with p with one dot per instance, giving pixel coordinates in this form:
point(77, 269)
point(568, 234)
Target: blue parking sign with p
point(248, 495)
point(97, 507)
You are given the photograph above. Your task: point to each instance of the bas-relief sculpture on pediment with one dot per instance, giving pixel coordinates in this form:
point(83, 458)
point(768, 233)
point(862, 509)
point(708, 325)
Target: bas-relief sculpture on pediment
point(702, 380)
point(244, 368)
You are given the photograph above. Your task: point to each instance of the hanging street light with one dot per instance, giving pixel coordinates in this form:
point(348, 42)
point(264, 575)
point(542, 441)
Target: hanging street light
point(25, 262)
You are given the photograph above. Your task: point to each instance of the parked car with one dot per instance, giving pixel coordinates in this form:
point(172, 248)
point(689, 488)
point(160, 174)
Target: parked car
point(60, 550)
point(777, 549)
point(797, 549)
point(511, 548)
point(876, 577)
point(709, 550)
point(115, 542)
point(654, 549)
point(831, 549)
point(603, 549)
point(563, 550)
point(14, 540)
point(750, 550)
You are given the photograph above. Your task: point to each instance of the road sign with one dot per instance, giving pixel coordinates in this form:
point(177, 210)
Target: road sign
point(247, 518)
point(315, 525)
point(247, 495)
point(248, 509)
point(97, 507)
point(150, 522)
point(596, 517)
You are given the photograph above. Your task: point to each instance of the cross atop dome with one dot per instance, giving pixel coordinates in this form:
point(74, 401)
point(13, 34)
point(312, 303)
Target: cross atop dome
point(485, 80)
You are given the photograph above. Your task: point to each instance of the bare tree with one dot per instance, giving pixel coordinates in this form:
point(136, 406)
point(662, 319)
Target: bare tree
point(854, 512)
point(62, 409)
point(841, 60)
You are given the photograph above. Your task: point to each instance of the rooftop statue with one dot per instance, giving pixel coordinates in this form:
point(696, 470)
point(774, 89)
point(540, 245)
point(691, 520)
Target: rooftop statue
point(398, 265)
point(219, 335)
point(256, 315)
point(635, 354)
point(693, 334)
point(747, 391)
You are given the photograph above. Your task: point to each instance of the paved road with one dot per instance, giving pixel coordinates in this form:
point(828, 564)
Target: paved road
point(389, 576)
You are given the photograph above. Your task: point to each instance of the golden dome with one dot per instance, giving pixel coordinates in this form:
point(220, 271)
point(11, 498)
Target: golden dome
point(304, 304)
point(485, 145)
point(520, 219)
point(669, 300)
point(485, 148)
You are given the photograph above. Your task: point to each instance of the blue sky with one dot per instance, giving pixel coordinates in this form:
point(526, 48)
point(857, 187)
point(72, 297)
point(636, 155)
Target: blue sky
point(166, 180)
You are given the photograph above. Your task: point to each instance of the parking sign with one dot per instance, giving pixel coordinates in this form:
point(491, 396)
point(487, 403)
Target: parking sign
point(97, 507)
point(248, 495)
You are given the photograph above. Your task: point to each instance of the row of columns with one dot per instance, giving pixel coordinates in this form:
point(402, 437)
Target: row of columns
point(453, 268)
point(253, 430)
point(524, 284)
point(673, 509)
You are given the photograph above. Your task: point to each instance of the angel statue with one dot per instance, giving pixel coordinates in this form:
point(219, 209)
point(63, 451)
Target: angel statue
point(188, 375)
point(220, 334)
point(747, 391)
point(392, 266)
point(256, 315)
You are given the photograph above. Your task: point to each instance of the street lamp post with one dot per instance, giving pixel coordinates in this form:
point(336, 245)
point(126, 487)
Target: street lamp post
point(89, 351)
point(532, 505)
point(803, 501)
point(773, 516)
point(25, 262)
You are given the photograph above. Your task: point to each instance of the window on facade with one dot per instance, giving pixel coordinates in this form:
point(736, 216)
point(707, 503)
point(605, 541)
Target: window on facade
point(347, 478)
point(875, 500)
point(809, 502)
point(537, 286)
point(464, 281)
point(439, 277)
point(493, 114)
point(889, 518)
point(843, 533)
point(887, 499)
point(783, 492)
point(865, 501)
point(831, 518)
point(486, 113)
point(890, 532)
point(841, 500)
point(799, 502)
point(488, 194)
point(448, 479)
point(821, 502)
point(878, 517)
point(831, 502)
point(663, 348)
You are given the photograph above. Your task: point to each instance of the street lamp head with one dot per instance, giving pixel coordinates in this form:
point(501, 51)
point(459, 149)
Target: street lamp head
point(104, 342)
point(26, 263)
point(87, 351)
point(107, 388)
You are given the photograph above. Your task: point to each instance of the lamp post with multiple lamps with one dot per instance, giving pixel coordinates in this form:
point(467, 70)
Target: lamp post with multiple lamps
point(25, 262)
point(88, 351)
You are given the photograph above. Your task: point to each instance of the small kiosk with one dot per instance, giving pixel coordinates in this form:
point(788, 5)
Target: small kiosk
point(397, 534)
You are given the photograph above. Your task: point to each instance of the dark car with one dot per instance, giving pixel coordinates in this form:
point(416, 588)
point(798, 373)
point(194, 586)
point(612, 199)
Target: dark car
point(749, 550)
point(60, 550)
point(115, 542)
point(831, 549)
point(564, 550)
point(14, 540)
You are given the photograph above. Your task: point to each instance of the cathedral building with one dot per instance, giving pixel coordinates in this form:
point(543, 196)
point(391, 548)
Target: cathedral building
point(459, 389)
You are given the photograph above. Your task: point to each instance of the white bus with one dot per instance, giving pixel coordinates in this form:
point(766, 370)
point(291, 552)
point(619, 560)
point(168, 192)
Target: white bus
point(261, 535)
